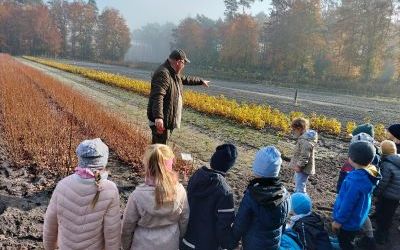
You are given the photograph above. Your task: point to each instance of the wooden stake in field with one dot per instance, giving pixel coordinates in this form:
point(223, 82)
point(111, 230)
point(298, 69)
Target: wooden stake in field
point(295, 98)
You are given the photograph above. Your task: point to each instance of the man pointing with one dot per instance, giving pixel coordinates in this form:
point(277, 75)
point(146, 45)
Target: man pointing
point(164, 110)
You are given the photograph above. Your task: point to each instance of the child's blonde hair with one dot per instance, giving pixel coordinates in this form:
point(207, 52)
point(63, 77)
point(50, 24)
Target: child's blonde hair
point(300, 123)
point(388, 147)
point(164, 180)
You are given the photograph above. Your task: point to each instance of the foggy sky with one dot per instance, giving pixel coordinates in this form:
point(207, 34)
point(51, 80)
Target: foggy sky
point(140, 12)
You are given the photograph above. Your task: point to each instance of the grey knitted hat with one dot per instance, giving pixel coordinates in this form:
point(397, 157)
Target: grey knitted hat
point(362, 152)
point(92, 153)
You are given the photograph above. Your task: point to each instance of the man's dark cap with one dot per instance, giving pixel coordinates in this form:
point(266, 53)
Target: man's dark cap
point(179, 54)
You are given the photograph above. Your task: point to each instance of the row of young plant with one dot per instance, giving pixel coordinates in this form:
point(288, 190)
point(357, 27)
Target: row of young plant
point(43, 121)
point(29, 124)
point(254, 115)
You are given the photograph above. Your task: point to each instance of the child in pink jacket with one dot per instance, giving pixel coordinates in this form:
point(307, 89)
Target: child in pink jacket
point(84, 211)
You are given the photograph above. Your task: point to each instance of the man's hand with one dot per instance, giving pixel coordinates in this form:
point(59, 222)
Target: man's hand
point(159, 125)
point(297, 169)
point(205, 83)
point(336, 227)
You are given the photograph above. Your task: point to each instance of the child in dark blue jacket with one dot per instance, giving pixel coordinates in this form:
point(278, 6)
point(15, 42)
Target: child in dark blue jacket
point(211, 204)
point(265, 205)
point(353, 202)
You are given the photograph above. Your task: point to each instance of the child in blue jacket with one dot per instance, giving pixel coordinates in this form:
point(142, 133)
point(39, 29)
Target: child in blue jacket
point(265, 205)
point(353, 202)
point(347, 167)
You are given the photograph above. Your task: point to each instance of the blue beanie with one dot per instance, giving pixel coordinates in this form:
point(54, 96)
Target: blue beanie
point(267, 162)
point(224, 157)
point(301, 203)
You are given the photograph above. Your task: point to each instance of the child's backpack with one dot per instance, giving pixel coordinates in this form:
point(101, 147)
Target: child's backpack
point(312, 233)
point(290, 241)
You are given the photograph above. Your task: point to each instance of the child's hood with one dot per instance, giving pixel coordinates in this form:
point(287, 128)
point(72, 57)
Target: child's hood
point(310, 135)
point(268, 192)
point(372, 171)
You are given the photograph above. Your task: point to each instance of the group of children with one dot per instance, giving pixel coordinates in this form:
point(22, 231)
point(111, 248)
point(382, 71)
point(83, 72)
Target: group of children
point(84, 211)
point(372, 170)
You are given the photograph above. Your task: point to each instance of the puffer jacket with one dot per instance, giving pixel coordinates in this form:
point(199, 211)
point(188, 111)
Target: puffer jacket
point(262, 214)
point(147, 228)
point(164, 94)
point(389, 186)
point(353, 202)
point(304, 153)
point(71, 221)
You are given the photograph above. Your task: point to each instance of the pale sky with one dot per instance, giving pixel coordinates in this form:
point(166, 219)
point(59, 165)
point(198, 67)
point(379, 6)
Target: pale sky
point(140, 12)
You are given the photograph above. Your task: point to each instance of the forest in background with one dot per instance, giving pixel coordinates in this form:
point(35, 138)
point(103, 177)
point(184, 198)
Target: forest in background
point(335, 44)
point(338, 44)
point(64, 29)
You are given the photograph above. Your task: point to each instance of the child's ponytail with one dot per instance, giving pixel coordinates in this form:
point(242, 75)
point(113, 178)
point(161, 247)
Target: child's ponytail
point(156, 159)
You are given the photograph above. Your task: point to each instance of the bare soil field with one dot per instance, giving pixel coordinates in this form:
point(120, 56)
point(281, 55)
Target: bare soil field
point(25, 193)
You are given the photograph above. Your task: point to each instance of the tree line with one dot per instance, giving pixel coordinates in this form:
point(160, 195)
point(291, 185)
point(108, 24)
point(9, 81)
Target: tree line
point(61, 28)
point(312, 41)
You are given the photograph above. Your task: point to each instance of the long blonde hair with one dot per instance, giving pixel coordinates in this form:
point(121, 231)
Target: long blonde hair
point(164, 180)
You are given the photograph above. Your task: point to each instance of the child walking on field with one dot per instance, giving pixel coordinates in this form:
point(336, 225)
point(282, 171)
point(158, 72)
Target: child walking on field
point(303, 160)
point(157, 211)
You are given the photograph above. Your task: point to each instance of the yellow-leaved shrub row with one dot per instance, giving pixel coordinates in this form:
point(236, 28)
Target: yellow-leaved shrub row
point(256, 116)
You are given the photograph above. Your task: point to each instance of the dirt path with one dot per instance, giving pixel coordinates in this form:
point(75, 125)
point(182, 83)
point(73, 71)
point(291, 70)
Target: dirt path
point(199, 135)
